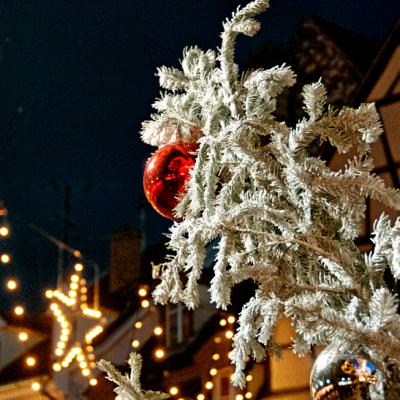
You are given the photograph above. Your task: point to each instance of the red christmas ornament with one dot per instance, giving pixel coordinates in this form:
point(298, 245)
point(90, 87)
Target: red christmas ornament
point(165, 175)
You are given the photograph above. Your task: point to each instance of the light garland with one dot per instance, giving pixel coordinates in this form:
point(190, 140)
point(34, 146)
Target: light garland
point(66, 308)
point(226, 322)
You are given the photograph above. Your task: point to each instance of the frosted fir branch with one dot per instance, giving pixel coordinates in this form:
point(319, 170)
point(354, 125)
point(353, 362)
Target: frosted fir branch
point(238, 23)
point(220, 286)
point(387, 246)
point(274, 239)
point(163, 129)
point(245, 340)
point(283, 218)
point(128, 387)
point(395, 264)
point(196, 63)
point(325, 324)
point(383, 309)
point(248, 27)
point(344, 130)
point(270, 82)
point(194, 267)
point(314, 97)
point(338, 271)
point(172, 78)
point(375, 188)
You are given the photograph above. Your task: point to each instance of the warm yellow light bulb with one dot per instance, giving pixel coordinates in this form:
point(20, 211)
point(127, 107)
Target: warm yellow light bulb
point(5, 258)
point(173, 390)
point(249, 378)
point(158, 330)
point(83, 365)
point(77, 254)
point(209, 385)
point(93, 382)
point(159, 353)
point(142, 292)
point(80, 357)
point(248, 395)
point(19, 310)
point(11, 284)
point(36, 386)
point(78, 267)
point(135, 343)
point(23, 336)
point(145, 303)
point(222, 322)
point(56, 367)
point(231, 319)
point(200, 396)
point(138, 324)
point(75, 278)
point(229, 334)
point(217, 339)
point(49, 294)
point(58, 352)
point(239, 397)
point(216, 356)
point(4, 231)
point(86, 372)
point(30, 361)
point(213, 371)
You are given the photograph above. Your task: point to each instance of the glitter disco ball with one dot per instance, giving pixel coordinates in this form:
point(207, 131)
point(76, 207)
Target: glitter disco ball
point(338, 375)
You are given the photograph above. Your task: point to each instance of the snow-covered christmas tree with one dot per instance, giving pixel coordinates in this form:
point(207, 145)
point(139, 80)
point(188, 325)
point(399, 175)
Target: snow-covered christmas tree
point(281, 217)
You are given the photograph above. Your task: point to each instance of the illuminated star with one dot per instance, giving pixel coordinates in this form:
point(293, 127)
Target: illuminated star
point(78, 325)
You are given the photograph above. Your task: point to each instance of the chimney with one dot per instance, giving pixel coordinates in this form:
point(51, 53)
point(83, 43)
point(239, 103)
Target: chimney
point(125, 258)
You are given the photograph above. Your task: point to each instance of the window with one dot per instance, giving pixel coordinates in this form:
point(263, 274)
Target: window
point(179, 324)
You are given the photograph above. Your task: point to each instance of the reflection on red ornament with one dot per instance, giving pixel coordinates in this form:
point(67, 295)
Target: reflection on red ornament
point(165, 175)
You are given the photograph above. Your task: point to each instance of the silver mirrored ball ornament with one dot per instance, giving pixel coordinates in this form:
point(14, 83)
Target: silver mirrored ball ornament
point(339, 375)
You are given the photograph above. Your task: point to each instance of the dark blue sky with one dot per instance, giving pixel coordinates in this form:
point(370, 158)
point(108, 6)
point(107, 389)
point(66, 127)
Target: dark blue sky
point(76, 80)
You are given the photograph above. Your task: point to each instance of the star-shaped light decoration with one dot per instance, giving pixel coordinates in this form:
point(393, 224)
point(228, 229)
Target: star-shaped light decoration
point(78, 325)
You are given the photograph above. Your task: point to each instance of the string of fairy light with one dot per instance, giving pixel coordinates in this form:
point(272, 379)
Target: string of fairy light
point(11, 284)
point(226, 322)
point(64, 307)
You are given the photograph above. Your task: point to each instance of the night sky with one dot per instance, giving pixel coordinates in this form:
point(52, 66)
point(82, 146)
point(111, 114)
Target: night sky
point(77, 78)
